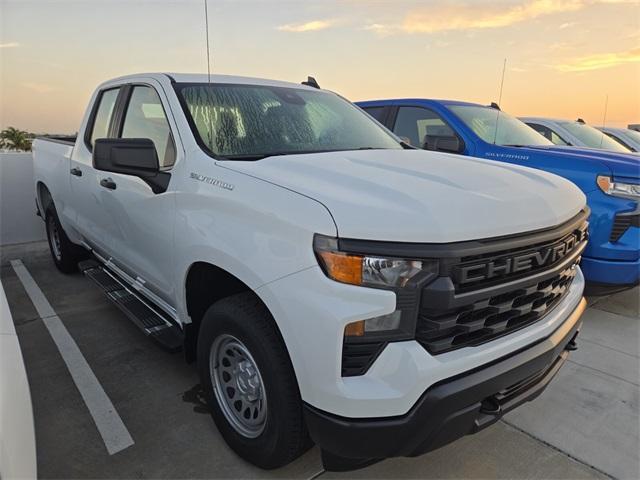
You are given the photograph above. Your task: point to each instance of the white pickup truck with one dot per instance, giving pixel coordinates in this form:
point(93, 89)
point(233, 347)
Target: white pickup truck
point(332, 283)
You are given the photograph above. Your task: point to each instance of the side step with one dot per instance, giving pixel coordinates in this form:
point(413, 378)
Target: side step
point(141, 312)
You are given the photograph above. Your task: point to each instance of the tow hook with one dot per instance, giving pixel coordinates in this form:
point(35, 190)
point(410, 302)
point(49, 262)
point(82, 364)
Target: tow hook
point(490, 406)
point(572, 346)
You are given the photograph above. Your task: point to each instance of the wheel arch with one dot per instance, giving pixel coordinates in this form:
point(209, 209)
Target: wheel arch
point(206, 283)
point(43, 197)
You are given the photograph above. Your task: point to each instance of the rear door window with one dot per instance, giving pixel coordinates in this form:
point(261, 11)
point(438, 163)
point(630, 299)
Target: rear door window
point(379, 113)
point(104, 112)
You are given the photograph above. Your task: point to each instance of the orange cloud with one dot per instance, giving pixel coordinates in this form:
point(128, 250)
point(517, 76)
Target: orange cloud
point(482, 15)
point(306, 27)
point(600, 60)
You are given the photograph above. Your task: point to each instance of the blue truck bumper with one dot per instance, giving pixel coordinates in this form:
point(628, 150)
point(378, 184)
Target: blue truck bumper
point(611, 272)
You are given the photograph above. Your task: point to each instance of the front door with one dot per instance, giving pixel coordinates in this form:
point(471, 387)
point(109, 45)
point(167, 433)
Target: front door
point(139, 224)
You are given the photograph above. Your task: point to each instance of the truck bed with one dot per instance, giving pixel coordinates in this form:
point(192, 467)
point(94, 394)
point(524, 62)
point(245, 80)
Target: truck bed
point(65, 139)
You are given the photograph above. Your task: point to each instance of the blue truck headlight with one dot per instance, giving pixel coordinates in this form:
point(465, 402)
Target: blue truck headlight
point(618, 189)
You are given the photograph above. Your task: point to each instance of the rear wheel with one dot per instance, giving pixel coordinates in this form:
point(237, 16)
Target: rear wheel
point(249, 382)
point(65, 254)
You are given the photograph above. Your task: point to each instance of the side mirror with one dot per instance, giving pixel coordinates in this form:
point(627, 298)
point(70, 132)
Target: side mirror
point(131, 156)
point(448, 144)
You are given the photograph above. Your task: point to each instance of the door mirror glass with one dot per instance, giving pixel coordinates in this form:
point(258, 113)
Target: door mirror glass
point(129, 156)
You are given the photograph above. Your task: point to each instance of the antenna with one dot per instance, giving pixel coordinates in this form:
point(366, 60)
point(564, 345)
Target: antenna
point(604, 118)
point(504, 68)
point(206, 23)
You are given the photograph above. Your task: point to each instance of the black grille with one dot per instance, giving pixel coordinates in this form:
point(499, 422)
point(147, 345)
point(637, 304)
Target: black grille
point(620, 225)
point(491, 317)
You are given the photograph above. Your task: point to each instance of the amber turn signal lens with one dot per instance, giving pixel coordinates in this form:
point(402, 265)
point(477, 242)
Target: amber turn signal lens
point(604, 183)
point(355, 329)
point(343, 268)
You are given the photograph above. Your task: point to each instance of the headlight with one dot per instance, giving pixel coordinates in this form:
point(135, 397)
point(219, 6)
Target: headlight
point(365, 270)
point(617, 189)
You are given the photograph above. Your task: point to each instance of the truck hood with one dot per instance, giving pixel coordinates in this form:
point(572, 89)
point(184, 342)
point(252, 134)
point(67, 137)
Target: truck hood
point(419, 196)
point(619, 164)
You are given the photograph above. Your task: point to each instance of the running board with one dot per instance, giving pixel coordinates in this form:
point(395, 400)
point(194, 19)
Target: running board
point(140, 311)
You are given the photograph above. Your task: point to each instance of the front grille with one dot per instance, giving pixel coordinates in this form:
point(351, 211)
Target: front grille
point(620, 225)
point(491, 317)
point(482, 290)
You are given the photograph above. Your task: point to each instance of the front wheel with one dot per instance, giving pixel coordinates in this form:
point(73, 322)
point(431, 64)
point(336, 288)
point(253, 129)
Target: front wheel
point(249, 382)
point(65, 253)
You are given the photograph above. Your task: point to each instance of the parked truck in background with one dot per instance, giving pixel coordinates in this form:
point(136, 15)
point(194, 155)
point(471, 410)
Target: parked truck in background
point(610, 181)
point(329, 281)
point(624, 136)
point(574, 134)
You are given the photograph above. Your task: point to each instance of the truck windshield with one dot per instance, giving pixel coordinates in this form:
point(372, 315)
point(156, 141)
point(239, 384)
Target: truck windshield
point(511, 131)
point(593, 138)
point(249, 122)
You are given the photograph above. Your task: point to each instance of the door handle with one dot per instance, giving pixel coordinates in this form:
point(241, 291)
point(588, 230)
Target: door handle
point(76, 171)
point(108, 183)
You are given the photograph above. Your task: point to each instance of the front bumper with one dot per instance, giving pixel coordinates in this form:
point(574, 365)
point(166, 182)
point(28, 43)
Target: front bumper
point(612, 273)
point(450, 409)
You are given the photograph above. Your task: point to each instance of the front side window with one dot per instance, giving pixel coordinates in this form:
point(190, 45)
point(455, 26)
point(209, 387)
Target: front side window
point(102, 119)
point(549, 134)
point(496, 127)
point(145, 118)
point(249, 122)
point(423, 127)
point(593, 138)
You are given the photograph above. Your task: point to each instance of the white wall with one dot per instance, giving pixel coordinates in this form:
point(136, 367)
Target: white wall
point(18, 220)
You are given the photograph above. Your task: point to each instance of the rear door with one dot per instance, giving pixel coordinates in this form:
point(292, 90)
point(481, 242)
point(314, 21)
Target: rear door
point(85, 203)
point(137, 223)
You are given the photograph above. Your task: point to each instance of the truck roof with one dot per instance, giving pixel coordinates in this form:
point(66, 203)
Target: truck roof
point(204, 78)
point(419, 100)
point(555, 120)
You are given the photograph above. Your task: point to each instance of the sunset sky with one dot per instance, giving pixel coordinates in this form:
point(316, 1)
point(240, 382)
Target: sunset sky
point(564, 57)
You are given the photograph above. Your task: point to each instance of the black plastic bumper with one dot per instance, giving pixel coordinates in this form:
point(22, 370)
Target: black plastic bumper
point(449, 409)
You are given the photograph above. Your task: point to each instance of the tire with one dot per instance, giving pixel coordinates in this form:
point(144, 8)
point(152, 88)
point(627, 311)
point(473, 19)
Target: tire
point(277, 435)
point(65, 254)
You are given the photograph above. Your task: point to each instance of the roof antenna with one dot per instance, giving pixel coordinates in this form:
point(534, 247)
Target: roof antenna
point(206, 23)
point(604, 118)
point(311, 82)
point(495, 136)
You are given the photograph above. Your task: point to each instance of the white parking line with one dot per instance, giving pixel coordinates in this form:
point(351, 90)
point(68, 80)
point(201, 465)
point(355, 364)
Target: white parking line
point(114, 433)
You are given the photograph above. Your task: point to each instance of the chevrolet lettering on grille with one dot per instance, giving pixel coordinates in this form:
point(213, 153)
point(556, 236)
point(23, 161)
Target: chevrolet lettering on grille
point(531, 260)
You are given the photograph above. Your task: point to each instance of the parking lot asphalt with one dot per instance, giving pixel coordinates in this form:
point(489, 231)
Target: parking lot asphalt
point(585, 425)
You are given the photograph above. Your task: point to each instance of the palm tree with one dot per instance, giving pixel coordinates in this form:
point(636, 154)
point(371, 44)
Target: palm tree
point(13, 139)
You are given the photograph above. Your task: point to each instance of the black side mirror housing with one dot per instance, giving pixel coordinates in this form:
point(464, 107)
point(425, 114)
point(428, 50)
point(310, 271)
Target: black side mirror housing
point(444, 144)
point(448, 144)
point(131, 156)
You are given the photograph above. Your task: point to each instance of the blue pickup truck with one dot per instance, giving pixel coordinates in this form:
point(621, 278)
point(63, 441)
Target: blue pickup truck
point(610, 181)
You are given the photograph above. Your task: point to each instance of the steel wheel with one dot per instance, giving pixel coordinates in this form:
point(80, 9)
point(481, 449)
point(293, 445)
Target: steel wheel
point(238, 386)
point(54, 238)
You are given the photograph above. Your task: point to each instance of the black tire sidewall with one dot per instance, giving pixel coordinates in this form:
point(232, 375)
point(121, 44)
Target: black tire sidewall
point(69, 257)
point(268, 449)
